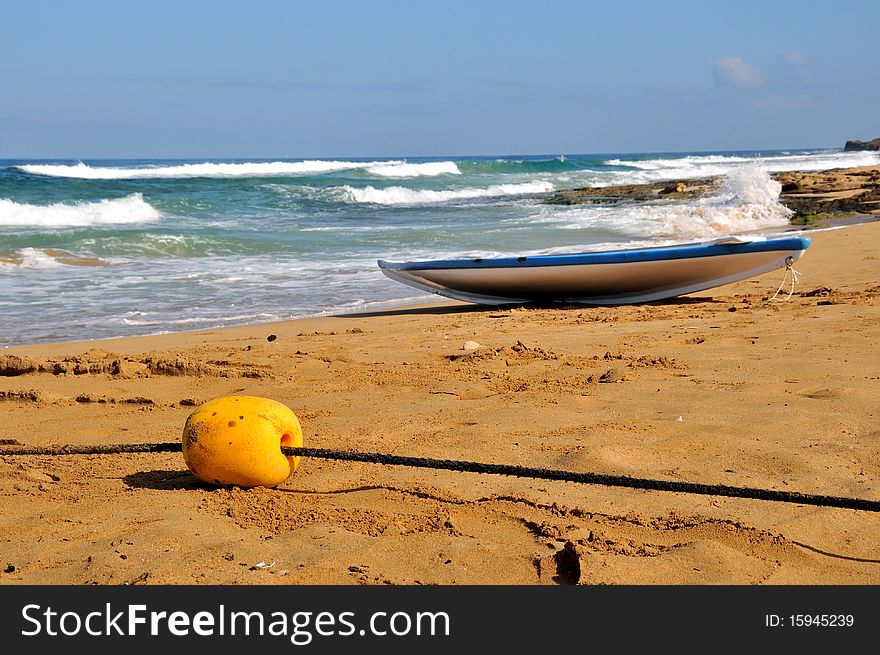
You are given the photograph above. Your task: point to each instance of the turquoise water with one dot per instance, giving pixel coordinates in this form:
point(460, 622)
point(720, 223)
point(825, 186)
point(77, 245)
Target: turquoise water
point(99, 249)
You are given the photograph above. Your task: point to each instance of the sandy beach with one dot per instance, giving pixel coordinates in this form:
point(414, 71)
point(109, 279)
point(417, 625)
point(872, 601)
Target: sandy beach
point(722, 387)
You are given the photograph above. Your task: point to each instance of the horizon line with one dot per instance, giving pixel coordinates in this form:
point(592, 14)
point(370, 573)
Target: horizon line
point(394, 157)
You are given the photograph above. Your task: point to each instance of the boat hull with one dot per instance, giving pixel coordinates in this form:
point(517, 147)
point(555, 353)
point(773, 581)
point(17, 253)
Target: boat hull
point(600, 278)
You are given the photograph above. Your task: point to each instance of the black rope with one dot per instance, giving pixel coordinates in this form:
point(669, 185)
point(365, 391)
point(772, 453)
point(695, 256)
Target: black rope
point(591, 478)
point(111, 449)
point(495, 469)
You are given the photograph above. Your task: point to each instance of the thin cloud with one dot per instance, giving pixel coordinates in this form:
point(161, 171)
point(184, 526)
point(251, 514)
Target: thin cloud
point(736, 72)
point(270, 84)
point(407, 85)
point(794, 58)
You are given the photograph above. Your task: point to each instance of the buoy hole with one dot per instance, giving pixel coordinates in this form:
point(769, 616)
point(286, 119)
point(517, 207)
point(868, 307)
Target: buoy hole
point(286, 439)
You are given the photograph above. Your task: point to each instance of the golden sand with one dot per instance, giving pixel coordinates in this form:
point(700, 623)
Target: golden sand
point(718, 387)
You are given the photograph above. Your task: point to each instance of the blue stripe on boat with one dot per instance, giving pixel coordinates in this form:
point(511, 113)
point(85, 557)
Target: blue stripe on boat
point(608, 257)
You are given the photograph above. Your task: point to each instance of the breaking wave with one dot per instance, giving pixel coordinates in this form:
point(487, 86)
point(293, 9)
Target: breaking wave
point(395, 168)
point(695, 166)
point(747, 200)
point(403, 169)
point(397, 195)
point(130, 209)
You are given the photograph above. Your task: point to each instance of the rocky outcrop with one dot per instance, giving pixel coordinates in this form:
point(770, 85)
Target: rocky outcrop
point(672, 190)
point(834, 191)
point(873, 144)
point(805, 193)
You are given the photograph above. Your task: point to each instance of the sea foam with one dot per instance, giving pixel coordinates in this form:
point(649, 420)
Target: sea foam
point(41, 258)
point(403, 169)
point(29, 258)
point(397, 195)
point(747, 200)
point(130, 209)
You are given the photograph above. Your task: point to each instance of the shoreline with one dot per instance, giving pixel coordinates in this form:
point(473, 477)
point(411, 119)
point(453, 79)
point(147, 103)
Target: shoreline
point(190, 337)
point(719, 386)
point(828, 222)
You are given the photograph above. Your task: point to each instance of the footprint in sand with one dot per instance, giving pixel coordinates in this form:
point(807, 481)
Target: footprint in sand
point(823, 394)
point(611, 457)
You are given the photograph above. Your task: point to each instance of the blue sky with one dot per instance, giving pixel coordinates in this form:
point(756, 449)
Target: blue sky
point(263, 79)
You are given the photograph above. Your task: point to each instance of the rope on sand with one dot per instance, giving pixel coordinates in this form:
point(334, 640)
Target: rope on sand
point(795, 276)
point(479, 467)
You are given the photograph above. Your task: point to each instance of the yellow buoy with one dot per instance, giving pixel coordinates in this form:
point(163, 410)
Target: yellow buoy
point(236, 440)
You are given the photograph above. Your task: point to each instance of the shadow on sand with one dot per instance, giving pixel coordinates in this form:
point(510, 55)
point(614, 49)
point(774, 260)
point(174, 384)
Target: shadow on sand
point(443, 308)
point(164, 480)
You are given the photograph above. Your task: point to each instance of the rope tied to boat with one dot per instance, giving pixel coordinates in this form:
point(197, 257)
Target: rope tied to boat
point(10, 447)
point(795, 277)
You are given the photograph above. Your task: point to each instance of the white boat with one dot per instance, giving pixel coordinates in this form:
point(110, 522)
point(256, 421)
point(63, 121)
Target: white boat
point(614, 277)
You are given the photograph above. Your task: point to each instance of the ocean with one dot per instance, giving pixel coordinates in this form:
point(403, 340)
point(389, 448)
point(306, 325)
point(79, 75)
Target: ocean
point(96, 249)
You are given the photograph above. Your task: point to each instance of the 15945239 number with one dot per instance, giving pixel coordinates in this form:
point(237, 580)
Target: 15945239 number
point(821, 620)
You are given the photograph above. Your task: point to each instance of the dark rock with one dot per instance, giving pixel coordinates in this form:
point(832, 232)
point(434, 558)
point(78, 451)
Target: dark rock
point(873, 144)
point(676, 190)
